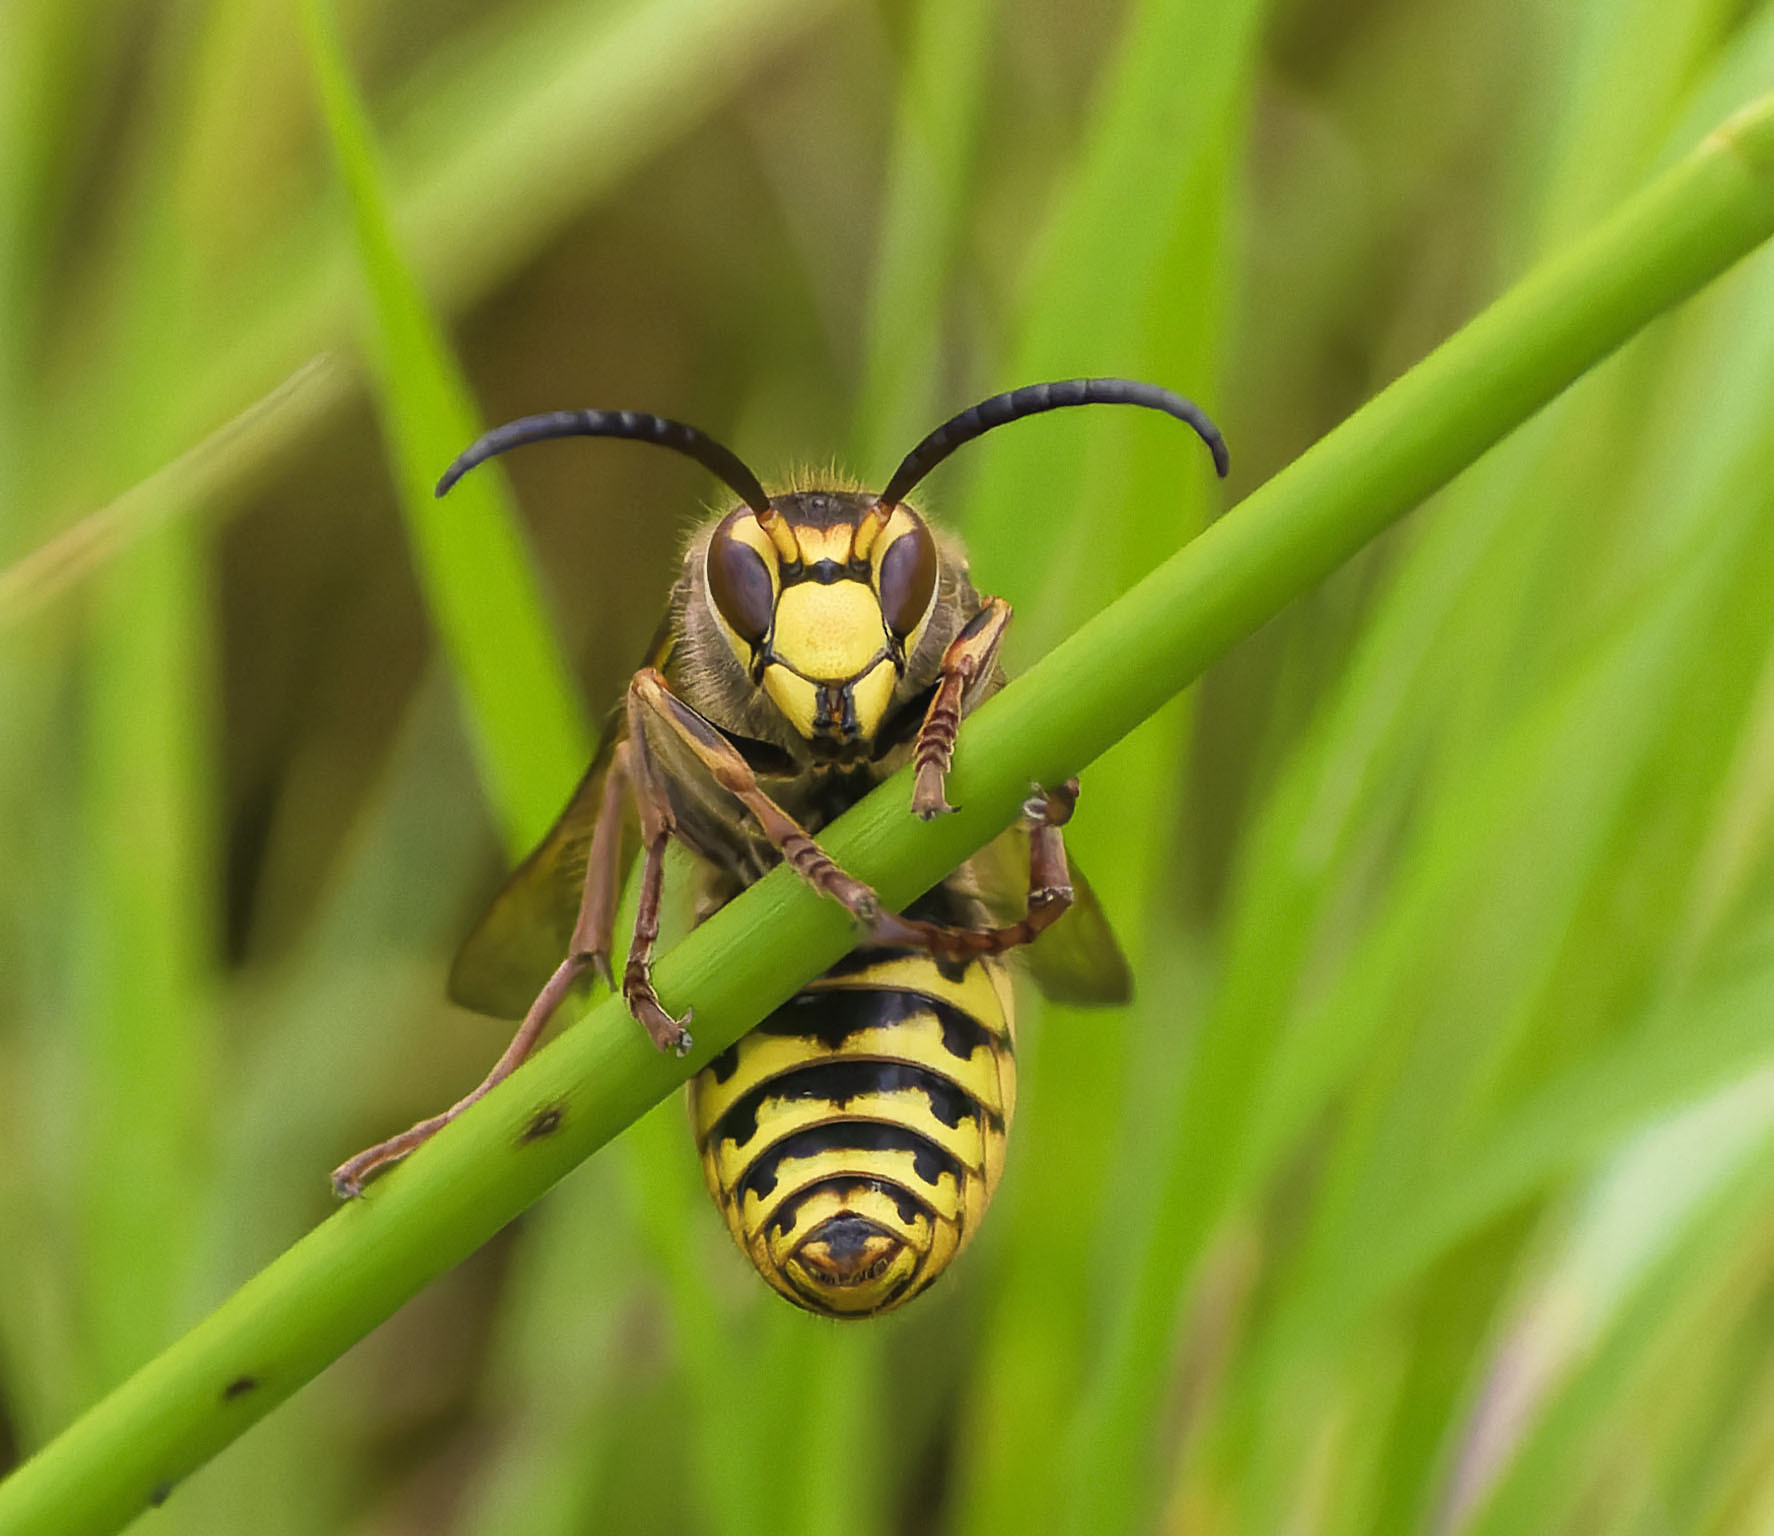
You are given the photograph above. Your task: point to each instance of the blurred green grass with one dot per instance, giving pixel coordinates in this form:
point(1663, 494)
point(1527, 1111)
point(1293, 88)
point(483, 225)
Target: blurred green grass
point(1425, 1186)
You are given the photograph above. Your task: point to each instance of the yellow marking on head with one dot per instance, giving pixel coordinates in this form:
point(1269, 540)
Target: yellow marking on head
point(746, 531)
point(831, 543)
point(828, 632)
point(775, 528)
point(797, 698)
point(871, 696)
point(868, 530)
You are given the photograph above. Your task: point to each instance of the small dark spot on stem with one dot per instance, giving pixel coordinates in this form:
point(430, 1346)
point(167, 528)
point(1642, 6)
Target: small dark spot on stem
point(160, 1494)
point(239, 1387)
point(545, 1124)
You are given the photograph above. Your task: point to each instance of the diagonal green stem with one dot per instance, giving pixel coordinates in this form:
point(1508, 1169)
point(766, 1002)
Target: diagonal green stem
point(342, 1279)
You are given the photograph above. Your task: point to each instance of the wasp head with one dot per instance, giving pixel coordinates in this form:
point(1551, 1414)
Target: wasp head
point(822, 597)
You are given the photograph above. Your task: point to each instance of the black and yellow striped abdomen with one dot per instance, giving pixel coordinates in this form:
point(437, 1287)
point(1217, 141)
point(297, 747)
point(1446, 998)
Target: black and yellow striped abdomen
point(854, 1139)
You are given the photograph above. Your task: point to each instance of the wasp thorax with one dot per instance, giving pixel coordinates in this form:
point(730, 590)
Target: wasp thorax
point(822, 598)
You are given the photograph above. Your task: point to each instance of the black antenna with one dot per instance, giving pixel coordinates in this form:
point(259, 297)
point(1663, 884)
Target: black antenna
point(1031, 400)
point(642, 426)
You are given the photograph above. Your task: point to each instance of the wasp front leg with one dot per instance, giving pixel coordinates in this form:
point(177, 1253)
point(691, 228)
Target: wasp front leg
point(971, 656)
point(650, 696)
point(1050, 891)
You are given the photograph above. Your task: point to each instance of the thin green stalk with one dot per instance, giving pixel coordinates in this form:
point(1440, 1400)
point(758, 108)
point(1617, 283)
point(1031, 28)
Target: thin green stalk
point(195, 479)
point(489, 156)
point(342, 1279)
point(142, 1019)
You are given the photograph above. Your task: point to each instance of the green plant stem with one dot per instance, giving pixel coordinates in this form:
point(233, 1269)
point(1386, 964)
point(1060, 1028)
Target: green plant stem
point(342, 1279)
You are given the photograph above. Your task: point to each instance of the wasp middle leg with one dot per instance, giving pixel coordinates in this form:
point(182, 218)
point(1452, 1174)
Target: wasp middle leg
point(589, 950)
point(657, 825)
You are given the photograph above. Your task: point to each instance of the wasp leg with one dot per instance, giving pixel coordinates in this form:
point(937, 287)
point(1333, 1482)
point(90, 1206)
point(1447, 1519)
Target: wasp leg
point(1050, 889)
point(970, 656)
point(651, 692)
point(657, 825)
point(594, 931)
point(1045, 812)
point(590, 950)
point(348, 1177)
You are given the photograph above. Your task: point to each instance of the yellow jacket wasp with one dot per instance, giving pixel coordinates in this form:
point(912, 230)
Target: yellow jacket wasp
point(817, 639)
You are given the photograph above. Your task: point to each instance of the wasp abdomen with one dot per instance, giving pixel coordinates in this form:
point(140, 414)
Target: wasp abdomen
point(854, 1139)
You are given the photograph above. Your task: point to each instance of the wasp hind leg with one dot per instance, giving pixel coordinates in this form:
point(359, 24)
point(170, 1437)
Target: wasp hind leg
point(1045, 813)
point(348, 1177)
point(588, 951)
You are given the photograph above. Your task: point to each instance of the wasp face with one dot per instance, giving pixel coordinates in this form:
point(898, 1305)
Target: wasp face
point(822, 601)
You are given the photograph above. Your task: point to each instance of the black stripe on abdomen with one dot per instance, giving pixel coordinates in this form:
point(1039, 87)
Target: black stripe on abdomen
point(841, 1080)
point(831, 1015)
point(929, 1161)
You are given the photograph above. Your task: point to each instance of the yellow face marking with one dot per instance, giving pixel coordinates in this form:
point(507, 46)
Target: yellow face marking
point(828, 632)
point(831, 543)
point(774, 527)
point(868, 530)
point(747, 531)
point(797, 698)
point(872, 695)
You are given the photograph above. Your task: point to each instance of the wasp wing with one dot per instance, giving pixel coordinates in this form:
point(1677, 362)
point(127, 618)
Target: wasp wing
point(523, 935)
point(1076, 961)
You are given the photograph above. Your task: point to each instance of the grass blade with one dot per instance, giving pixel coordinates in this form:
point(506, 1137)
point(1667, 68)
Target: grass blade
point(530, 737)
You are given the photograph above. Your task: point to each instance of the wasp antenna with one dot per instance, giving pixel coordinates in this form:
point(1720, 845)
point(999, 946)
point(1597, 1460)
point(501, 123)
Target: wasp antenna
point(1032, 400)
point(641, 426)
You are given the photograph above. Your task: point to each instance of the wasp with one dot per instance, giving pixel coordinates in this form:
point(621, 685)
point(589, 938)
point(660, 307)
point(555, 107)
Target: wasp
point(818, 638)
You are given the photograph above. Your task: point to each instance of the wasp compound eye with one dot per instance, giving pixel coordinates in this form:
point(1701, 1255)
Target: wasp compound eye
point(908, 580)
point(739, 582)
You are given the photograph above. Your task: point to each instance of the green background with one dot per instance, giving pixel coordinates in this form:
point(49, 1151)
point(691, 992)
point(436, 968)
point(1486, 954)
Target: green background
point(1425, 1187)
